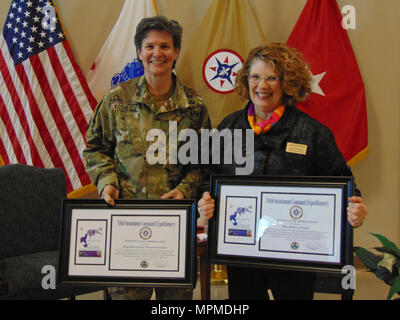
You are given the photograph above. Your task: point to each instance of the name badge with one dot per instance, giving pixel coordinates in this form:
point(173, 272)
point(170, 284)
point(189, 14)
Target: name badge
point(296, 148)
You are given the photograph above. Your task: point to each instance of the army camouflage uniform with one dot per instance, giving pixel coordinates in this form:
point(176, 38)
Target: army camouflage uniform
point(117, 147)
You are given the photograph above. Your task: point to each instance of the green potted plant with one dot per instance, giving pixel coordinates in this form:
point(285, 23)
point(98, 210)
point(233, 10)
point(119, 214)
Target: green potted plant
point(386, 266)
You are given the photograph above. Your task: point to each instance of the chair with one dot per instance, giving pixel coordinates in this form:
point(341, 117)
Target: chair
point(30, 215)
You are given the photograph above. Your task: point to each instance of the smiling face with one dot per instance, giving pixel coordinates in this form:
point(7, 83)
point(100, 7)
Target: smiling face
point(157, 53)
point(265, 88)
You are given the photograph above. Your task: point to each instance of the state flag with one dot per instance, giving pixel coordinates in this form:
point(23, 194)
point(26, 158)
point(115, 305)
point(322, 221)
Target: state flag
point(230, 29)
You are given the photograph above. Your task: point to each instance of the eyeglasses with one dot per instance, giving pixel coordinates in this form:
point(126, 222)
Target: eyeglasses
point(255, 78)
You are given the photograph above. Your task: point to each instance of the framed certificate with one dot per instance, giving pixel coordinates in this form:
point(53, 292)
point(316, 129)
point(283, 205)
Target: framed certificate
point(286, 222)
point(148, 243)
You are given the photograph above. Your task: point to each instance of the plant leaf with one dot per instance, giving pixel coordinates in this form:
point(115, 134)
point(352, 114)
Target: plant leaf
point(387, 243)
point(395, 288)
point(388, 250)
point(388, 262)
point(385, 275)
point(370, 259)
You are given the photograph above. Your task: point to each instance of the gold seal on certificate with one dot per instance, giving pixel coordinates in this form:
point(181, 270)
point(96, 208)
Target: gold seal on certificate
point(136, 242)
point(281, 222)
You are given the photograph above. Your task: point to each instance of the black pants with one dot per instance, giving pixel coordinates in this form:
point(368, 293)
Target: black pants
point(253, 283)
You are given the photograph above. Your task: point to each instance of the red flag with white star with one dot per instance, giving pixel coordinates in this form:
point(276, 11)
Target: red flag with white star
point(338, 97)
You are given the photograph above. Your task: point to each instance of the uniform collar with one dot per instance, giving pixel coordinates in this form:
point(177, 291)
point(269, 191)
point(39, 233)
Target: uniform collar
point(178, 100)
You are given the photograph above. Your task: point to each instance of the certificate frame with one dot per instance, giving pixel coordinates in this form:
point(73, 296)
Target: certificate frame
point(143, 243)
point(295, 223)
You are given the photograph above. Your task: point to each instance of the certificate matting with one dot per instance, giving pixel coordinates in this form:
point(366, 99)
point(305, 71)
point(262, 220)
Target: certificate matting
point(136, 242)
point(281, 222)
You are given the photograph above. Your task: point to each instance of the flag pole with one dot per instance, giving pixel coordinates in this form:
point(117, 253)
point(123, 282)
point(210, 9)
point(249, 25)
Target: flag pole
point(81, 192)
point(59, 20)
point(358, 157)
point(155, 7)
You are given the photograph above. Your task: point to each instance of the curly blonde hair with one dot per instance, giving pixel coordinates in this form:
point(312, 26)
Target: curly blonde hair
point(288, 63)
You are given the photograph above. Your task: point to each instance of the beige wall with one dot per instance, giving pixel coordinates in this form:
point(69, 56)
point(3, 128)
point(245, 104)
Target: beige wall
point(375, 43)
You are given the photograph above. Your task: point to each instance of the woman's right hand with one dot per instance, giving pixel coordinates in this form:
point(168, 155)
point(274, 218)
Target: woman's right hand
point(109, 194)
point(206, 206)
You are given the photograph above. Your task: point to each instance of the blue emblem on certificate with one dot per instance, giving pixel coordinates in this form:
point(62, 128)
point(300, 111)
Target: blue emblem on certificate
point(91, 233)
point(296, 212)
point(238, 212)
point(145, 233)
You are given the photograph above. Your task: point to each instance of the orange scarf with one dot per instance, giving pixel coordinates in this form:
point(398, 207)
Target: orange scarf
point(264, 126)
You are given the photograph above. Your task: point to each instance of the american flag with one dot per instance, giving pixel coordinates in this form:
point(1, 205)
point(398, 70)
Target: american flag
point(45, 102)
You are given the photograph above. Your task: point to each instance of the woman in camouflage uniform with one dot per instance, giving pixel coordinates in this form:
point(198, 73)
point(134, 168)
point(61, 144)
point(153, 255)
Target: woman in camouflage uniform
point(118, 141)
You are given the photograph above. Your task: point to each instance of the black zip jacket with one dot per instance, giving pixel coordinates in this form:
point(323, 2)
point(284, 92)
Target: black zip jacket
point(297, 145)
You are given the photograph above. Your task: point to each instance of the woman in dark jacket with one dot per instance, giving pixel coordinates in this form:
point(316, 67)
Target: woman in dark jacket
point(286, 142)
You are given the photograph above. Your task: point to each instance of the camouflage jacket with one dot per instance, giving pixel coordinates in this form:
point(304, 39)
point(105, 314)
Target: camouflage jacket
point(117, 145)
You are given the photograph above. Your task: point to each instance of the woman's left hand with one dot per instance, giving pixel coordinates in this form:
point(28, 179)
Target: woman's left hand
point(206, 206)
point(173, 194)
point(356, 211)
